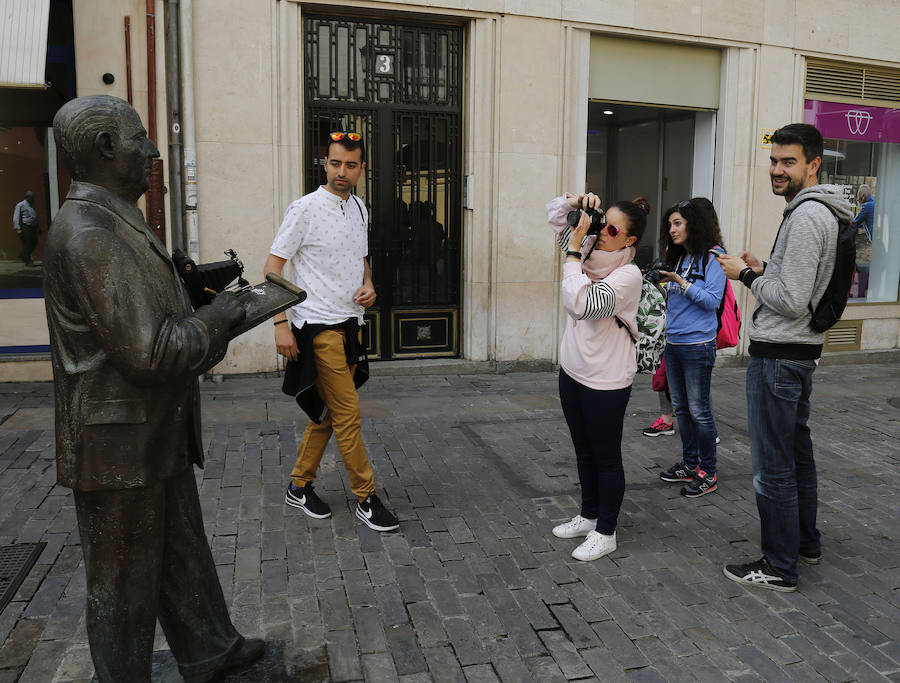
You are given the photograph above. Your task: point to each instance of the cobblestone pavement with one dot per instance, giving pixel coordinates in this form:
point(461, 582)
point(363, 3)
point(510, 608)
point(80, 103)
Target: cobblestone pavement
point(474, 587)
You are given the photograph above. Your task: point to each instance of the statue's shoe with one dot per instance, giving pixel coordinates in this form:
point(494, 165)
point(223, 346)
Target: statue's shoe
point(250, 650)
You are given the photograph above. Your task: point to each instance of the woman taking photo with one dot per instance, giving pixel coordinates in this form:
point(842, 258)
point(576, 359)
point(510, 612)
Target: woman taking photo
point(694, 290)
point(601, 290)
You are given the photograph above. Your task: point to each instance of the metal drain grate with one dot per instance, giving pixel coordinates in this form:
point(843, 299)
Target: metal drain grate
point(15, 563)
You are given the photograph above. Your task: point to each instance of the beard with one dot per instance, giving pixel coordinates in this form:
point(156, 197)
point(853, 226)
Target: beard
point(791, 188)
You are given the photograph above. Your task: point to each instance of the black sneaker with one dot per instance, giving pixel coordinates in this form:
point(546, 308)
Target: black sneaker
point(759, 574)
point(678, 472)
point(306, 499)
point(810, 559)
point(700, 485)
point(376, 516)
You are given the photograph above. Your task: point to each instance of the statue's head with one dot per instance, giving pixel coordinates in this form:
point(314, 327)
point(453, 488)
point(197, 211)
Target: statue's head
point(101, 140)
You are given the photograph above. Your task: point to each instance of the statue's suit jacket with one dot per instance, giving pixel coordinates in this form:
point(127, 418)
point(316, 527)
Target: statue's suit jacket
point(126, 347)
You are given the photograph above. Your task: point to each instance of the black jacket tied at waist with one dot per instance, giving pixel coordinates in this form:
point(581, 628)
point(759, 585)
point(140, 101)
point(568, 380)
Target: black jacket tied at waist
point(300, 375)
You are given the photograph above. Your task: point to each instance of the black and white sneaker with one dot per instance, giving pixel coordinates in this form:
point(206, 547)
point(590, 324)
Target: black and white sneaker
point(376, 516)
point(700, 485)
point(678, 472)
point(306, 499)
point(759, 574)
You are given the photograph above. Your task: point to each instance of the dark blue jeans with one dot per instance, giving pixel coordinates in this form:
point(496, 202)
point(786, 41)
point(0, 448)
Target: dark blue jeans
point(688, 371)
point(595, 420)
point(784, 471)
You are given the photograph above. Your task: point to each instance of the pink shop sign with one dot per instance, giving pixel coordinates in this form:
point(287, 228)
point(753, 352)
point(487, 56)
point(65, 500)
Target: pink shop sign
point(853, 121)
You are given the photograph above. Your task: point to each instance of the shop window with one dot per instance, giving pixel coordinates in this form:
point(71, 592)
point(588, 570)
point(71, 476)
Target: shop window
point(862, 155)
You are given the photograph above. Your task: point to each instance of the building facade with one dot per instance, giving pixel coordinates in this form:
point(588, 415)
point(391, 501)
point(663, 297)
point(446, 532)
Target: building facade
point(477, 113)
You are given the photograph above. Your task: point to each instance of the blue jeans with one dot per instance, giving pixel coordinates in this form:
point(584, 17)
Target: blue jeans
point(595, 420)
point(688, 371)
point(784, 471)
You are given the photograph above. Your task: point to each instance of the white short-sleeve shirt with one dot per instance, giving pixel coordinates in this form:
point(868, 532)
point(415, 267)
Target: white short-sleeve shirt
point(325, 240)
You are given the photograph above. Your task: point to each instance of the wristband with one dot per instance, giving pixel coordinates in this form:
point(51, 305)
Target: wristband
point(279, 322)
point(576, 254)
point(747, 276)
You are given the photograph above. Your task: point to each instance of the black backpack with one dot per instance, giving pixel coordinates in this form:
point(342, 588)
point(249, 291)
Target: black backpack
point(831, 306)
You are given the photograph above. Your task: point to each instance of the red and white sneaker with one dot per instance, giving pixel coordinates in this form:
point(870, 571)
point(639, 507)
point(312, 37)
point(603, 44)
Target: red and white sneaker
point(700, 485)
point(660, 427)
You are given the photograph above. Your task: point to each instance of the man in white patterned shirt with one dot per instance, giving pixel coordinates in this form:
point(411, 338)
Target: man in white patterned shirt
point(324, 236)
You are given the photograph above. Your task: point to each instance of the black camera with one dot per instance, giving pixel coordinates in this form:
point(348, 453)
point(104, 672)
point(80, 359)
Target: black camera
point(598, 220)
point(205, 280)
point(653, 272)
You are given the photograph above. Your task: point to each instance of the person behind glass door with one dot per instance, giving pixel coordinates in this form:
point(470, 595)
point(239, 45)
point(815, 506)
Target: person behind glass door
point(601, 289)
point(864, 221)
point(694, 289)
point(27, 226)
point(866, 216)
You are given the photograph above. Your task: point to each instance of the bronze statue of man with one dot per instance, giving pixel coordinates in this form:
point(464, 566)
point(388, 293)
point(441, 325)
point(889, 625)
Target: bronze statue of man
point(127, 350)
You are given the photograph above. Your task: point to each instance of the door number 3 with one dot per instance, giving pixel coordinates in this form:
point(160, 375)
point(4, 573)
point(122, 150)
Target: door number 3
point(384, 64)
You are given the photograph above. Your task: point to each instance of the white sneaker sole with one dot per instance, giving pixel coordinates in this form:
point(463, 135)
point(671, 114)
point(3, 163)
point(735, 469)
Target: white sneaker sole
point(655, 434)
point(296, 504)
point(593, 556)
point(577, 534)
point(369, 523)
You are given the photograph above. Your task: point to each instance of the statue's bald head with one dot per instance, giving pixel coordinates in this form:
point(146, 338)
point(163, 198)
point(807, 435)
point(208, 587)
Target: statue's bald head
point(78, 123)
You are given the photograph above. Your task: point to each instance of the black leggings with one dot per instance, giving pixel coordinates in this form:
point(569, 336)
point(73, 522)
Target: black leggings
point(595, 420)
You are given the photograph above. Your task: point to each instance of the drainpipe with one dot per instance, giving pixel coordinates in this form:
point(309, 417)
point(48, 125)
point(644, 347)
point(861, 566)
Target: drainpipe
point(173, 116)
point(185, 15)
point(156, 209)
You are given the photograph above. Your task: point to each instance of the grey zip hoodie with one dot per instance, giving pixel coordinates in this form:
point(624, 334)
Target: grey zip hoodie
point(798, 270)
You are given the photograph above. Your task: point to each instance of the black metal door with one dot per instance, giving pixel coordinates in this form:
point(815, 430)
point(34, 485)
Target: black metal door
point(399, 85)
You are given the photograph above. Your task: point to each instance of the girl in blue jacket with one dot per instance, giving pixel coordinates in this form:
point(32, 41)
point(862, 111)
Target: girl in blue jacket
point(695, 286)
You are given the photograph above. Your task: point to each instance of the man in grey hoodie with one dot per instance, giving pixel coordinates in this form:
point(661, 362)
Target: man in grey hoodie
point(784, 351)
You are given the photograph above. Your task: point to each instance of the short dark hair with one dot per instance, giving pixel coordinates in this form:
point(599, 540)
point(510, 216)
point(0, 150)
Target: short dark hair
point(803, 134)
point(347, 144)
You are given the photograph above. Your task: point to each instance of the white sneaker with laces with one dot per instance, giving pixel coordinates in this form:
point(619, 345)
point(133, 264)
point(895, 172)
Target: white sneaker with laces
point(595, 546)
point(577, 526)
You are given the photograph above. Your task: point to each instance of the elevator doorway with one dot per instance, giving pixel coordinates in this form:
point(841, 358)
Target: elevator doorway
point(662, 154)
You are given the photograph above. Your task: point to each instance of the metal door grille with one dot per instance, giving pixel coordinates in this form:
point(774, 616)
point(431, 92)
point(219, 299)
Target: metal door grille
point(400, 85)
point(360, 61)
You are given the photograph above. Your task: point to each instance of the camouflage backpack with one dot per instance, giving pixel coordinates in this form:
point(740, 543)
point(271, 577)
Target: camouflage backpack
point(651, 324)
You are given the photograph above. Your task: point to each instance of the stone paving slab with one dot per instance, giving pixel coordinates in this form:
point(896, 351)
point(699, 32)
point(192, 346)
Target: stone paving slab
point(473, 587)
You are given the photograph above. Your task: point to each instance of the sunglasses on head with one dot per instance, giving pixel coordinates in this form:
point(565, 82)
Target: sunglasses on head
point(340, 135)
point(681, 205)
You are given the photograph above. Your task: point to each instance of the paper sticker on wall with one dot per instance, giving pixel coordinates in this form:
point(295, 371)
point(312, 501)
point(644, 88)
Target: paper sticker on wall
point(765, 141)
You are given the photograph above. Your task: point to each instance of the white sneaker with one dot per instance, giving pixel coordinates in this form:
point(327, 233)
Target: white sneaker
point(578, 526)
point(596, 545)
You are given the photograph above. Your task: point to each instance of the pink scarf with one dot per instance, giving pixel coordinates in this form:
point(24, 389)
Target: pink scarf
point(602, 263)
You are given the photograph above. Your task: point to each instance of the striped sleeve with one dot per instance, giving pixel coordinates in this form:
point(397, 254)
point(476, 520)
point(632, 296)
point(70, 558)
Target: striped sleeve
point(600, 301)
point(563, 238)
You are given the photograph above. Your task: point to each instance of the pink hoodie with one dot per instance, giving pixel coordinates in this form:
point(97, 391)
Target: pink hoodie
point(595, 351)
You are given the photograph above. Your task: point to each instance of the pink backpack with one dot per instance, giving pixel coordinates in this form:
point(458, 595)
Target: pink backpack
point(729, 320)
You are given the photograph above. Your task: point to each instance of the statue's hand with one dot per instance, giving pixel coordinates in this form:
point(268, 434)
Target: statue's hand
point(229, 306)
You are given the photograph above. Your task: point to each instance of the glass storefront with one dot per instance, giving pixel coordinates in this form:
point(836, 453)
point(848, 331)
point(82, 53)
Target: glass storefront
point(862, 155)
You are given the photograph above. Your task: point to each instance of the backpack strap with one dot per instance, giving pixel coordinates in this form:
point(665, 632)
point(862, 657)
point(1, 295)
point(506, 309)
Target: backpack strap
point(818, 201)
point(358, 207)
point(627, 329)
